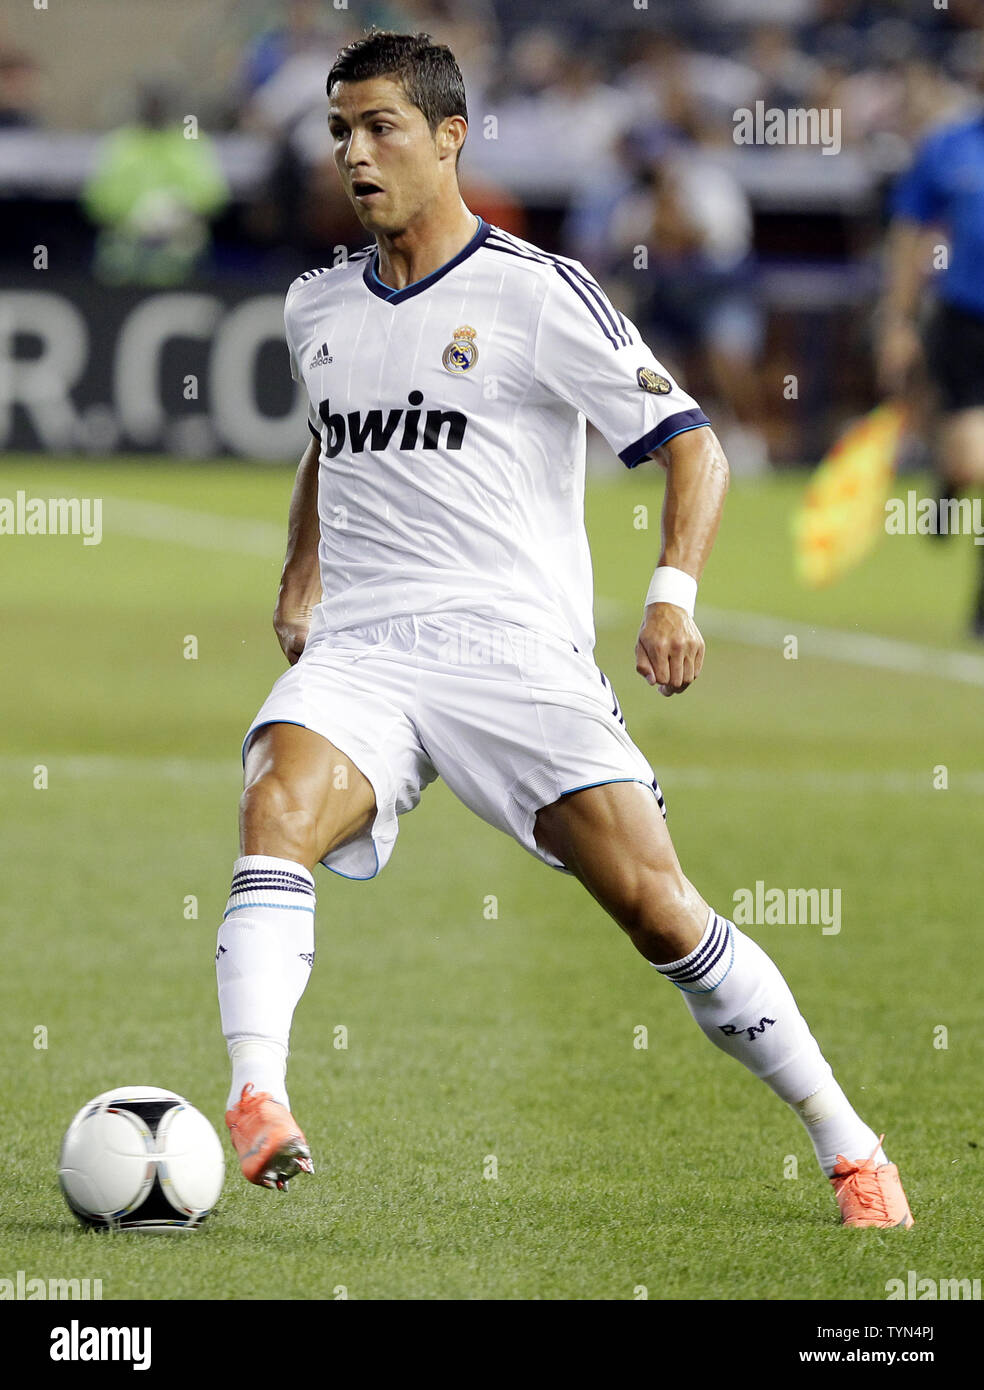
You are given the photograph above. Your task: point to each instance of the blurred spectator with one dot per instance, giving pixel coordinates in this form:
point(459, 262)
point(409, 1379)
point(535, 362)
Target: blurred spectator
point(785, 73)
point(290, 103)
point(20, 96)
point(678, 236)
point(894, 90)
point(301, 27)
point(153, 193)
point(301, 204)
point(557, 118)
point(683, 87)
point(764, 11)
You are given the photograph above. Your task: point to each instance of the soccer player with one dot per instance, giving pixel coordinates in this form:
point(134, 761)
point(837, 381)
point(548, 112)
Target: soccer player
point(435, 608)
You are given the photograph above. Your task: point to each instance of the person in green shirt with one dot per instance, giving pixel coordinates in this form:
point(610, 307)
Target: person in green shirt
point(153, 192)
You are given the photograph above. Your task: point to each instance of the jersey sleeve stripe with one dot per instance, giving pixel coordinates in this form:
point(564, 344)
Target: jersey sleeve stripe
point(617, 332)
point(320, 270)
point(534, 253)
point(603, 300)
point(614, 338)
point(498, 241)
point(316, 433)
point(679, 423)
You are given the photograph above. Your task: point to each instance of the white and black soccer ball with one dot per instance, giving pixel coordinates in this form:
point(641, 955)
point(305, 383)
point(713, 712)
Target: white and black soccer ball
point(141, 1159)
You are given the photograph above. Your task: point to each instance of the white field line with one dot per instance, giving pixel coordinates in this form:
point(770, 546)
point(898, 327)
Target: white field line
point(87, 766)
point(889, 782)
point(855, 648)
point(829, 643)
point(159, 521)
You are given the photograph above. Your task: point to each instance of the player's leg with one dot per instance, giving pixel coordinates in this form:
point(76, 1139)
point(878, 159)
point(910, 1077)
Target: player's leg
point(302, 799)
point(954, 346)
point(962, 448)
point(614, 839)
point(962, 467)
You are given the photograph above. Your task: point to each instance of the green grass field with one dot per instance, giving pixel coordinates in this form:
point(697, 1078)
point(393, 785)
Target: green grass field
point(617, 1166)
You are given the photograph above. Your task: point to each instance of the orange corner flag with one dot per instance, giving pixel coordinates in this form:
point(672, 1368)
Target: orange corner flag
point(842, 513)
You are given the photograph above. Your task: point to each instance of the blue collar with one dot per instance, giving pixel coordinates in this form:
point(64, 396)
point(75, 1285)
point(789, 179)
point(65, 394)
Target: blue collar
point(371, 273)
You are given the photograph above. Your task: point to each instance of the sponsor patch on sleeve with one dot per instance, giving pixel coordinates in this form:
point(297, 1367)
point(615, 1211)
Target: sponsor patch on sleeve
point(652, 381)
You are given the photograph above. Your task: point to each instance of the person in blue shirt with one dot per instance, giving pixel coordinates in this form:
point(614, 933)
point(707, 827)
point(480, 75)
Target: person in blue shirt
point(936, 243)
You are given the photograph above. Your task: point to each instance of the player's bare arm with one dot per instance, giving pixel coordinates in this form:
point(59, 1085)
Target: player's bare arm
point(898, 346)
point(670, 649)
point(300, 582)
point(302, 796)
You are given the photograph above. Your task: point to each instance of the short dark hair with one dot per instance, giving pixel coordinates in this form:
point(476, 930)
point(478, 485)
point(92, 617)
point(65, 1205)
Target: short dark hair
point(428, 71)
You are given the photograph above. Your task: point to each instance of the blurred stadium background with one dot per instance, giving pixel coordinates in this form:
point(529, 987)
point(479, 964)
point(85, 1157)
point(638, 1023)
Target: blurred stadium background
point(596, 129)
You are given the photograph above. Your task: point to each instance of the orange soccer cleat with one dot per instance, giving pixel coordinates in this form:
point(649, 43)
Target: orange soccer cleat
point(268, 1140)
point(870, 1196)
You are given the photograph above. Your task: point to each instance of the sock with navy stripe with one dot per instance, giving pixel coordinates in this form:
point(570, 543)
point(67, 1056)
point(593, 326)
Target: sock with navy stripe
point(263, 959)
point(741, 1002)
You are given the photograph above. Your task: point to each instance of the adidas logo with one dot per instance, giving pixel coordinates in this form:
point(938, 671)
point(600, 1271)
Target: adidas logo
point(322, 357)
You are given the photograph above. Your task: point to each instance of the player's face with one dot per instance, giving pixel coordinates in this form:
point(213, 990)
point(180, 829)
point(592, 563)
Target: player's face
point(385, 153)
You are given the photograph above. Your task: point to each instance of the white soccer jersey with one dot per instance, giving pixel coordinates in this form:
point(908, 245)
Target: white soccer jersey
point(450, 416)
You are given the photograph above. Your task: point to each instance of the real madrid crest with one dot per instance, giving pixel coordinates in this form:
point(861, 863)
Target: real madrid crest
point(461, 354)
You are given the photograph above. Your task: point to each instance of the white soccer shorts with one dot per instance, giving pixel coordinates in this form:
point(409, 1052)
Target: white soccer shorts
point(511, 720)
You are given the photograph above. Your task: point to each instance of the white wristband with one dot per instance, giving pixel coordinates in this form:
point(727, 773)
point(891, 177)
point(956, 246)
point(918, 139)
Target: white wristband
point(673, 586)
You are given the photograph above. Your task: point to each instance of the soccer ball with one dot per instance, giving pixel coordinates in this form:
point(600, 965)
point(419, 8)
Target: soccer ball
point(141, 1159)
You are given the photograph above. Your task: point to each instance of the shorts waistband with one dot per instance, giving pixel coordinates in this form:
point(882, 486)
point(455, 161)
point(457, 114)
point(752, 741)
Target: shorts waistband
point(379, 635)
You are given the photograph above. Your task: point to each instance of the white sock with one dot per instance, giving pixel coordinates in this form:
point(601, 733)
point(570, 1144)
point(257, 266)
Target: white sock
point(742, 1003)
point(263, 959)
point(836, 1129)
point(260, 1064)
